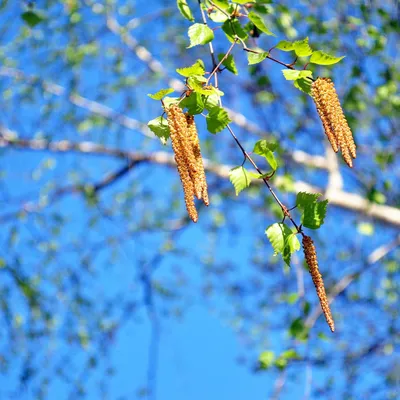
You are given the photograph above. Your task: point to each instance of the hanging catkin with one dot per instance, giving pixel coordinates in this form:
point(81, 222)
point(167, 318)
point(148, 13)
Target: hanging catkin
point(181, 146)
point(199, 181)
point(312, 262)
point(333, 120)
point(186, 146)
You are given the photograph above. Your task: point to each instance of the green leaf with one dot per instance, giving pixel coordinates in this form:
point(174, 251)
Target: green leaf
point(224, 4)
point(302, 48)
point(304, 85)
point(299, 330)
point(32, 18)
point(259, 23)
point(211, 101)
point(255, 58)
point(293, 74)
point(159, 126)
point(160, 94)
point(229, 63)
point(283, 240)
point(196, 82)
point(217, 119)
point(194, 103)
point(321, 58)
point(265, 149)
point(169, 101)
point(314, 212)
point(284, 45)
point(200, 34)
point(266, 359)
point(290, 354)
point(185, 10)
point(240, 178)
point(217, 15)
point(244, 1)
point(196, 69)
point(232, 28)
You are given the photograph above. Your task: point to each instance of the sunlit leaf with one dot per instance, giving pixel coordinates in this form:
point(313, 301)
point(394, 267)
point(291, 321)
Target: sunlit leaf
point(321, 58)
point(240, 178)
point(200, 34)
point(184, 9)
point(217, 119)
point(259, 23)
point(159, 126)
point(160, 94)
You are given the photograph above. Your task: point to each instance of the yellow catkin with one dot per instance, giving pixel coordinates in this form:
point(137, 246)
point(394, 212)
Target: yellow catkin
point(200, 182)
point(312, 262)
point(331, 113)
point(323, 115)
point(178, 128)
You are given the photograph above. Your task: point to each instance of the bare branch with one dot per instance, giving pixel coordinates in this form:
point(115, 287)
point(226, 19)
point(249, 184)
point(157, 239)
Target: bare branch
point(340, 198)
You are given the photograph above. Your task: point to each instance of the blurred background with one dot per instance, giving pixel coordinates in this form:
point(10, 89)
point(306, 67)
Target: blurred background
point(108, 291)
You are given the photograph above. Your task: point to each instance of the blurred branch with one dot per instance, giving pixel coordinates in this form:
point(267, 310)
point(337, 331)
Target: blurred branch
point(296, 156)
point(343, 283)
point(340, 198)
point(80, 101)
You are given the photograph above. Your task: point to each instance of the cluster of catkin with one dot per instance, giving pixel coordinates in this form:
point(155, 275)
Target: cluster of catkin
point(186, 146)
point(312, 262)
point(335, 124)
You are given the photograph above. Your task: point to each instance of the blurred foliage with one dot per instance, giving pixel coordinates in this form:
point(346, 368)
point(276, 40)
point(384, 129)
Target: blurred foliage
point(81, 263)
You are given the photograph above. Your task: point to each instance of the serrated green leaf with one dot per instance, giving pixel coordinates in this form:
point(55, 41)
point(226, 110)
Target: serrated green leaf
point(196, 69)
point(160, 94)
point(283, 240)
point(304, 85)
point(259, 23)
point(229, 63)
point(294, 74)
point(304, 198)
point(321, 58)
point(194, 103)
point(284, 45)
point(265, 149)
point(184, 9)
point(314, 212)
point(32, 18)
point(159, 126)
point(266, 359)
point(302, 48)
point(217, 119)
point(211, 101)
point(263, 144)
point(232, 28)
point(244, 1)
point(255, 58)
point(240, 178)
point(200, 34)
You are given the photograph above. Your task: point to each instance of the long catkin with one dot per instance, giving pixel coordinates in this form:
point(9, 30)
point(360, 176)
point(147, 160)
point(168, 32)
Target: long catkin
point(333, 120)
point(178, 128)
point(312, 262)
point(186, 146)
point(200, 182)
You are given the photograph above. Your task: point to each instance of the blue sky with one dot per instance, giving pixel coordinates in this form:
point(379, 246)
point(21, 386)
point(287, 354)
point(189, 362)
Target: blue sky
point(209, 342)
